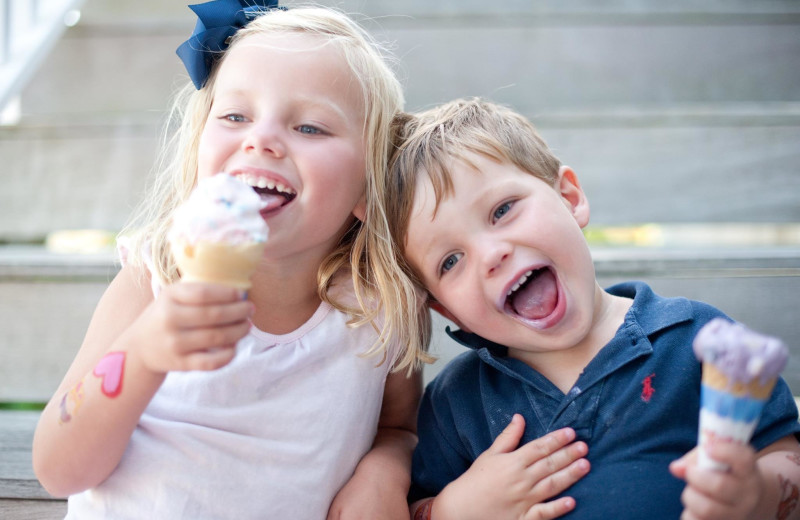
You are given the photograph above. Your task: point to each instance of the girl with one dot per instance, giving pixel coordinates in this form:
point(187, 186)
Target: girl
point(189, 401)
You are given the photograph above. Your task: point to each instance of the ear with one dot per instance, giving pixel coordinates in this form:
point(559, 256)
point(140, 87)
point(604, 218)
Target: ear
point(573, 196)
point(438, 307)
point(360, 211)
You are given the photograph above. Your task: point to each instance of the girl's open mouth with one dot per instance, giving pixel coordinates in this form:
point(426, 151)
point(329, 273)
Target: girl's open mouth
point(273, 194)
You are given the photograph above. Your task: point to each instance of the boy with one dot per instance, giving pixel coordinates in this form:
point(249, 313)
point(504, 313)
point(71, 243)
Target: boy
point(489, 222)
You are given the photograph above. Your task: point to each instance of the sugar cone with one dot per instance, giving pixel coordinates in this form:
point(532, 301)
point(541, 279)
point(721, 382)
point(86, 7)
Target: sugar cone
point(728, 410)
point(215, 262)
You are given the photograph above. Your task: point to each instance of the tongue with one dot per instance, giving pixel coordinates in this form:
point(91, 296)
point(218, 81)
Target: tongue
point(270, 201)
point(538, 297)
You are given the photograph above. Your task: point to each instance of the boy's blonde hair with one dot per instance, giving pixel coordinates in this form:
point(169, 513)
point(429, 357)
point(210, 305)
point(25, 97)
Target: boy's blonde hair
point(427, 143)
point(177, 171)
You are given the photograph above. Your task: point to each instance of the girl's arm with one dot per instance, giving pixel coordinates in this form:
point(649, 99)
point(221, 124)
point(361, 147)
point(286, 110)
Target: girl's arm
point(379, 486)
point(131, 343)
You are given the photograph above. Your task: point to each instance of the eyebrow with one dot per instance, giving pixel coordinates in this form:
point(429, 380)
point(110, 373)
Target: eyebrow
point(307, 101)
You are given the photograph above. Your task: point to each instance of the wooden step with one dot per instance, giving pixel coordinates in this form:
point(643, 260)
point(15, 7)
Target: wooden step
point(21, 495)
point(757, 286)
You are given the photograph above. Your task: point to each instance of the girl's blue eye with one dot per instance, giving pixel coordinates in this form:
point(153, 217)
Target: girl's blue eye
point(449, 263)
point(501, 211)
point(235, 118)
point(308, 129)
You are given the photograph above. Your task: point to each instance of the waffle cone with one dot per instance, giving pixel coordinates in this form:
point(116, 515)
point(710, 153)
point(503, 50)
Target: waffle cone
point(214, 262)
point(713, 377)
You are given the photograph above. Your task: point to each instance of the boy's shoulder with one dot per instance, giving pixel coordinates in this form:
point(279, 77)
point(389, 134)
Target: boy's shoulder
point(654, 312)
point(458, 373)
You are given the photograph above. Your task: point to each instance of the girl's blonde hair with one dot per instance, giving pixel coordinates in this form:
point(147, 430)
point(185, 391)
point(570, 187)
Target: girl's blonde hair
point(426, 144)
point(177, 171)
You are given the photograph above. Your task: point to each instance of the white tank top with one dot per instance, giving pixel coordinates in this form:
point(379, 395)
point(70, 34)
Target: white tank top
point(274, 434)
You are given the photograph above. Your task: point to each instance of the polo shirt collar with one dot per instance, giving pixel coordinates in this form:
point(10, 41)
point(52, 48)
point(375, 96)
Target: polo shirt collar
point(649, 314)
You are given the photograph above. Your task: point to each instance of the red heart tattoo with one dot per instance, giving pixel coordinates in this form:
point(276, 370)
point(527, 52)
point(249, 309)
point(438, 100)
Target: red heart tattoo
point(110, 370)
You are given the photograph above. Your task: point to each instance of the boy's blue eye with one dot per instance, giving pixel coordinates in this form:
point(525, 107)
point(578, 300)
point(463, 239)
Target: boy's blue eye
point(450, 262)
point(308, 129)
point(501, 211)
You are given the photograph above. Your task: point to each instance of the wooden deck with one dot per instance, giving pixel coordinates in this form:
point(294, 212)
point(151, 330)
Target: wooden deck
point(21, 495)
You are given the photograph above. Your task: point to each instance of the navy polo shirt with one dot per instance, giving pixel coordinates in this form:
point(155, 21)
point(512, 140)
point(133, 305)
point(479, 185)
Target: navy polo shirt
point(636, 405)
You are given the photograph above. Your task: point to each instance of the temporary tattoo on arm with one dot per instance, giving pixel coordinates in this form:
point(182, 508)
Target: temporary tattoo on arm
point(423, 512)
point(71, 402)
point(110, 370)
point(794, 457)
point(790, 495)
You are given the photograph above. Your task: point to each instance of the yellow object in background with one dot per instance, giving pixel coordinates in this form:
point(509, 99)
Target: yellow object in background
point(81, 241)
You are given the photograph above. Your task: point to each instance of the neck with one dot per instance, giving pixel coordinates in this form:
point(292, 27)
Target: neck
point(563, 367)
point(285, 295)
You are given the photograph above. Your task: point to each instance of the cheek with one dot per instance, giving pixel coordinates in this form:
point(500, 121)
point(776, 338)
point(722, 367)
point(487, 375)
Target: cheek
point(347, 177)
point(206, 164)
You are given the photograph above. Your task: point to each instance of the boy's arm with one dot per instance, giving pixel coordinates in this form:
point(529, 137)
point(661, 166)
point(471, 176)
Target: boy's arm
point(129, 347)
point(763, 485)
point(507, 481)
point(379, 485)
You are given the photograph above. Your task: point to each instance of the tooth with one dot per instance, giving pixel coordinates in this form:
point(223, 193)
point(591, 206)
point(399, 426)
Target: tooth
point(280, 187)
point(271, 185)
point(262, 182)
point(522, 280)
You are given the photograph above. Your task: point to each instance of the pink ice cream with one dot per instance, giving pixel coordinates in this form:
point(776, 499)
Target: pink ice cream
point(218, 234)
point(220, 209)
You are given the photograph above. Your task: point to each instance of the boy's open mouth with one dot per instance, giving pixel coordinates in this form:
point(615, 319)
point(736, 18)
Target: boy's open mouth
point(273, 194)
point(534, 296)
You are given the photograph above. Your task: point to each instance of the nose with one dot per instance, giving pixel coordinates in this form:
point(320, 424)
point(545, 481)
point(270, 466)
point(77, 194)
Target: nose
point(264, 137)
point(494, 254)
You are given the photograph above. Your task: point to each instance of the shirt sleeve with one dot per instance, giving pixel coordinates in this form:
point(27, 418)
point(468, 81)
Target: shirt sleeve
point(778, 419)
point(438, 459)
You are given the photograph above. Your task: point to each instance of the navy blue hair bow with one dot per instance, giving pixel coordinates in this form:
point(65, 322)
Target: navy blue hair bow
point(216, 22)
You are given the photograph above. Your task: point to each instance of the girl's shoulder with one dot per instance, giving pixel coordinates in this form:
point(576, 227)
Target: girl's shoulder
point(368, 312)
point(139, 259)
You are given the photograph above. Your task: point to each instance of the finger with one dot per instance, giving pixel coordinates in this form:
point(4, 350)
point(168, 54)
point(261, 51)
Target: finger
point(550, 510)
point(209, 359)
point(542, 447)
point(211, 315)
point(202, 339)
point(739, 457)
point(700, 505)
point(678, 468)
point(558, 481)
point(716, 486)
point(557, 461)
point(509, 438)
point(194, 293)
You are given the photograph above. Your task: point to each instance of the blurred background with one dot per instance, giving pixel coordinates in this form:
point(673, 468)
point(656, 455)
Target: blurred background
point(682, 120)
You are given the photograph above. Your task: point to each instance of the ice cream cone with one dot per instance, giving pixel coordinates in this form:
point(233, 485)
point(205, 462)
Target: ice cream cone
point(217, 262)
point(740, 369)
point(218, 235)
point(728, 410)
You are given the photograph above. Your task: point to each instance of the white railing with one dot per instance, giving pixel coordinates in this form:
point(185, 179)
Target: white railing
point(28, 31)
